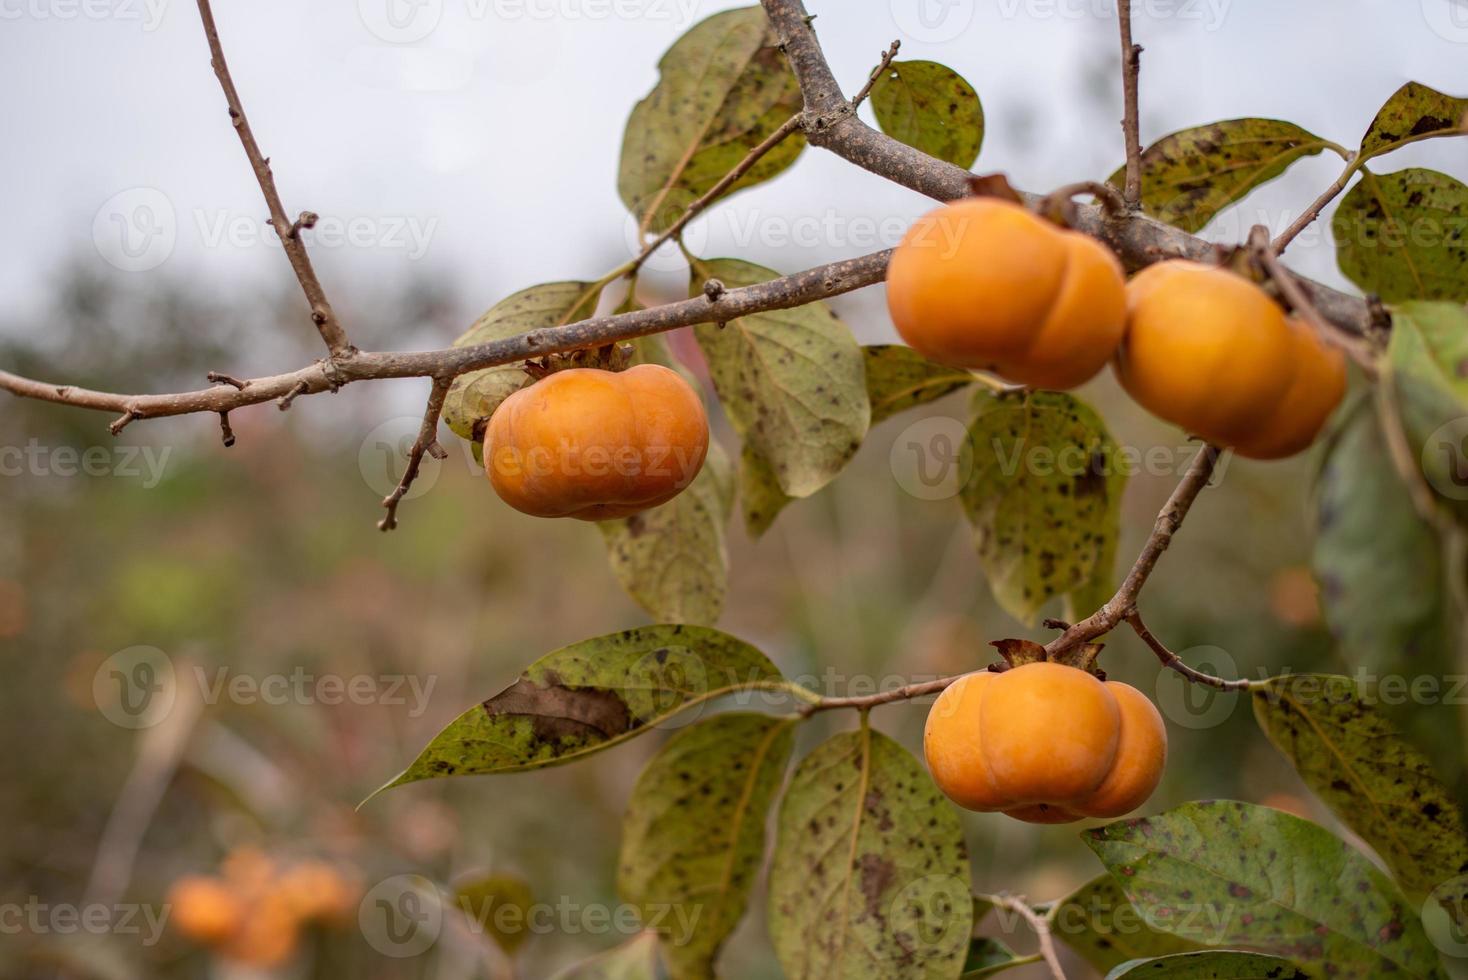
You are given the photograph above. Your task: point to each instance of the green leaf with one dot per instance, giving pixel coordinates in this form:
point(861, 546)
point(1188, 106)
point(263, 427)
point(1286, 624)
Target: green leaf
point(931, 108)
point(473, 397)
point(869, 876)
point(1192, 175)
point(1372, 778)
point(1105, 929)
point(1379, 565)
point(484, 900)
point(989, 957)
point(636, 959)
point(593, 695)
point(1101, 586)
point(672, 559)
point(1226, 873)
point(1427, 361)
point(899, 378)
point(1039, 497)
point(760, 491)
point(792, 381)
point(694, 835)
point(1210, 965)
point(1414, 112)
point(724, 88)
point(1401, 235)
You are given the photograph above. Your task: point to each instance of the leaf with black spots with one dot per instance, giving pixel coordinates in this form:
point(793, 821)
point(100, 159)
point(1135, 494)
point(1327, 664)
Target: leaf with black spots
point(1039, 495)
point(724, 87)
point(869, 877)
point(1192, 175)
point(473, 397)
point(1105, 930)
point(1373, 779)
point(930, 107)
point(672, 559)
point(1219, 964)
point(793, 382)
point(1402, 236)
point(593, 695)
point(694, 835)
point(1223, 873)
point(1414, 112)
point(899, 378)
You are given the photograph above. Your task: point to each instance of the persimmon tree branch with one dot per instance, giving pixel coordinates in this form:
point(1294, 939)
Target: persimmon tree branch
point(1038, 924)
point(425, 443)
point(1173, 662)
point(288, 231)
point(1131, 70)
point(1354, 162)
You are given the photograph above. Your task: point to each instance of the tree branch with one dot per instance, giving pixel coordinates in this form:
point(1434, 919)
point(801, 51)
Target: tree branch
point(1359, 349)
point(1038, 924)
point(1124, 602)
point(427, 442)
point(785, 292)
point(1174, 662)
point(832, 125)
point(289, 232)
point(1131, 69)
point(1307, 218)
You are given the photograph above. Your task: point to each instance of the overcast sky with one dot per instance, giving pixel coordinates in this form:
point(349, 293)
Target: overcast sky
point(478, 139)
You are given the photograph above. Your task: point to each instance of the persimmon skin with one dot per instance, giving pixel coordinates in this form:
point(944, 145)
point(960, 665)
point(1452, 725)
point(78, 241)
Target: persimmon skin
point(1045, 743)
point(986, 284)
point(596, 445)
point(1318, 387)
point(205, 909)
point(1206, 350)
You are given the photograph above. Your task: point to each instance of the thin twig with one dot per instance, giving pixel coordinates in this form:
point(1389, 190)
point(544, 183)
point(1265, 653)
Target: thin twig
point(1174, 662)
point(905, 693)
point(882, 66)
point(1404, 460)
point(1039, 924)
point(427, 442)
point(1353, 163)
point(1124, 602)
point(1111, 200)
point(321, 312)
point(224, 379)
point(225, 432)
point(1357, 348)
point(767, 144)
point(1131, 68)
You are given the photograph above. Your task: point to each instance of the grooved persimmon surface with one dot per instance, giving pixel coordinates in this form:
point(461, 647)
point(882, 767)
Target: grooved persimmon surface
point(594, 444)
point(986, 284)
point(1045, 743)
point(1318, 387)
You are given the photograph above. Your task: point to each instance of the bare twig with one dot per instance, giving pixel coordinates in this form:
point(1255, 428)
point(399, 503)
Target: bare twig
point(1356, 347)
point(224, 379)
point(1039, 924)
point(1112, 202)
point(225, 432)
point(1174, 662)
point(785, 129)
point(285, 400)
point(321, 312)
point(1131, 69)
point(1353, 163)
point(1123, 603)
point(882, 65)
point(905, 693)
point(427, 442)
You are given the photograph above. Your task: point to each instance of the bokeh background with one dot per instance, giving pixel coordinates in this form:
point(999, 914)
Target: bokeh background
point(458, 151)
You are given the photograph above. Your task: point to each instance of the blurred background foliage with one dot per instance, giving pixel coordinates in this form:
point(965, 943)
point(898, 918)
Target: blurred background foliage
point(262, 560)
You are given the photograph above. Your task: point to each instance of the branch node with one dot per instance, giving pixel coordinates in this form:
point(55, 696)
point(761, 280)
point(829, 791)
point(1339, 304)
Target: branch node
point(284, 401)
point(122, 422)
point(713, 289)
point(216, 377)
point(307, 219)
point(225, 431)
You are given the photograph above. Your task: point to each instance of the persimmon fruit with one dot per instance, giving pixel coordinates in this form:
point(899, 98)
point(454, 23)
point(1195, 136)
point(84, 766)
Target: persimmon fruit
point(594, 444)
point(205, 909)
point(1045, 743)
point(1208, 350)
point(986, 284)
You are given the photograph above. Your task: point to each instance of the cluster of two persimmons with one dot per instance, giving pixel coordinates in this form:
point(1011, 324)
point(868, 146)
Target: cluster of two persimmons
point(981, 284)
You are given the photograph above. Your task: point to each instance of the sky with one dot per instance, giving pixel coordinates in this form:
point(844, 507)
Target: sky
point(477, 140)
